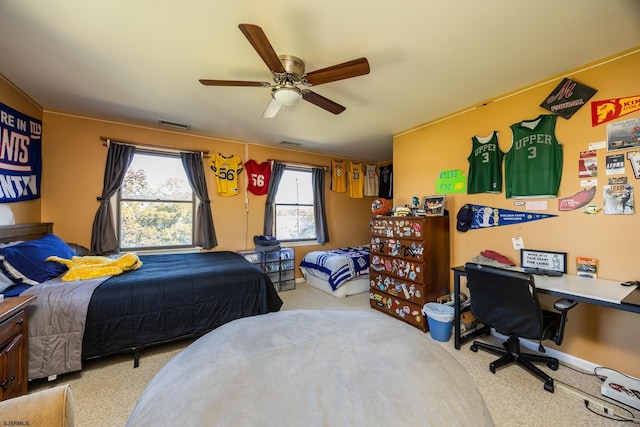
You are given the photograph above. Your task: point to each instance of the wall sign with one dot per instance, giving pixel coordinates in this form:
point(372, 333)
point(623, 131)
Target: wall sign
point(20, 156)
point(567, 98)
point(543, 260)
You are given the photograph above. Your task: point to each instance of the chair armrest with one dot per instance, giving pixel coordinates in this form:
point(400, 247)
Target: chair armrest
point(564, 304)
point(52, 407)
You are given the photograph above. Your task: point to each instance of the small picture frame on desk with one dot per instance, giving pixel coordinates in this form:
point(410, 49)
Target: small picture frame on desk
point(543, 260)
point(434, 205)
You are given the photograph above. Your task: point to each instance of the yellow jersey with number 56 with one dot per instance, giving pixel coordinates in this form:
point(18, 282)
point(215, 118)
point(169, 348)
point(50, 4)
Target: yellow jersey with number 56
point(226, 170)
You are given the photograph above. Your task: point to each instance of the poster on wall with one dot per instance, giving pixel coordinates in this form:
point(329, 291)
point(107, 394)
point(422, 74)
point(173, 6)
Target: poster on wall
point(20, 156)
point(623, 135)
point(618, 199)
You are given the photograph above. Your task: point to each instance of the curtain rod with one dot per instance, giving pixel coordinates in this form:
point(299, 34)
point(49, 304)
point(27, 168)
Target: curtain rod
point(306, 165)
point(106, 141)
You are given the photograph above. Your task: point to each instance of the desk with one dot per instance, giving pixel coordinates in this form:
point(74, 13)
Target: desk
point(606, 293)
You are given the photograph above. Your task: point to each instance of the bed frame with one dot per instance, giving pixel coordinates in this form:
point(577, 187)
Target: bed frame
point(31, 231)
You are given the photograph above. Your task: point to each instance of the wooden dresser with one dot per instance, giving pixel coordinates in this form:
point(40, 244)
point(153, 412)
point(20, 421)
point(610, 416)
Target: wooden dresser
point(409, 265)
point(14, 346)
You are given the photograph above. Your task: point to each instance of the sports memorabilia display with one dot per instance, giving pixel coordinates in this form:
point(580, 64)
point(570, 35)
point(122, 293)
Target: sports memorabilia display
point(356, 180)
point(371, 181)
point(258, 176)
point(226, 170)
point(533, 164)
point(610, 109)
point(567, 98)
point(485, 165)
point(471, 217)
point(381, 207)
point(338, 176)
point(386, 182)
point(21, 158)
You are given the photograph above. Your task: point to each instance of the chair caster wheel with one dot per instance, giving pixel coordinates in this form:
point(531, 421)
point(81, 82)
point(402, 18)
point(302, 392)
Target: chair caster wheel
point(553, 366)
point(473, 348)
point(549, 386)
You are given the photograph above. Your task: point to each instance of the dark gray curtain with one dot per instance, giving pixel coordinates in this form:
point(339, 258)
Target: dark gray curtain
point(103, 233)
point(204, 232)
point(277, 169)
point(317, 181)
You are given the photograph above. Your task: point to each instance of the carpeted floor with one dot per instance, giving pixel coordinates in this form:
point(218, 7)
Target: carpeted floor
point(107, 389)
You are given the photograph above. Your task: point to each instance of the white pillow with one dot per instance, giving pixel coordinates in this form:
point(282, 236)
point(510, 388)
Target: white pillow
point(5, 283)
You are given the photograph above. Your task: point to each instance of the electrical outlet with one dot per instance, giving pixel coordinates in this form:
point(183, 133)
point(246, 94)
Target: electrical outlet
point(595, 404)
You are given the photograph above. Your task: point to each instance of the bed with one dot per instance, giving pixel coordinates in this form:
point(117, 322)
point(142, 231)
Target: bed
point(169, 297)
point(339, 272)
point(312, 368)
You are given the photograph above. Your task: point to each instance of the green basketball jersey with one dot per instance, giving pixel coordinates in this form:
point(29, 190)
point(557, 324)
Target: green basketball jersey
point(485, 165)
point(533, 164)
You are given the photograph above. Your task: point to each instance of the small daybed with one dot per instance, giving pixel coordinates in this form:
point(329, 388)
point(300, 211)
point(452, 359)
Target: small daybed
point(169, 297)
point(338, 272)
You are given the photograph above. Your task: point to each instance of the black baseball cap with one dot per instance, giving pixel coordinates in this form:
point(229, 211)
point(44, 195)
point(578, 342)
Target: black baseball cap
point(464, 218)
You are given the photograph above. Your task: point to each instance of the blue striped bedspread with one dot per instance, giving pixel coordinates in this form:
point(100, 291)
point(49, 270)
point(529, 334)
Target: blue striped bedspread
point(340, 265)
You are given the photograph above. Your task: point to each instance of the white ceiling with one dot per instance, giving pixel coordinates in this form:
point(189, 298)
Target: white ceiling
point(140, 60)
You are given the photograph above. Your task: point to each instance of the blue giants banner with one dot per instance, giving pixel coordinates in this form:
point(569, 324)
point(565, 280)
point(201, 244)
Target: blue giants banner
point(20, 156)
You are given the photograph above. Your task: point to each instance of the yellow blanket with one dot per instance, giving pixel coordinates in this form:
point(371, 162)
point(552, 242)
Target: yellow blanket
point(90, 267)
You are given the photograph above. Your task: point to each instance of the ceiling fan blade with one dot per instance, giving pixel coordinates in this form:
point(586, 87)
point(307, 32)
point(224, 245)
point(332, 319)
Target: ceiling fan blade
point(207, 82)
point(272, 109)
point(346, 70)
point(322, 102)
point(261, 44)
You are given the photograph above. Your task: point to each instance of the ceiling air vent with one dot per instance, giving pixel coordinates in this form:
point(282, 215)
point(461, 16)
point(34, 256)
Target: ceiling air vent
point(174, 125)
point(290, 144)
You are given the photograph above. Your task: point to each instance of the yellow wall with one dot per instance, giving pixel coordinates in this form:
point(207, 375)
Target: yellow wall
point(74, 159)
point(12, 97)
point(602, 336)
point(73, 169)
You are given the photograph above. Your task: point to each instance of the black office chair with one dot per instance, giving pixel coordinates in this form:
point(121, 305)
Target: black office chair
point(506, 300)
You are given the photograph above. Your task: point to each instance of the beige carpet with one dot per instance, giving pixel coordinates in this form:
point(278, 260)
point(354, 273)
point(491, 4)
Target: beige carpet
point(107, 389)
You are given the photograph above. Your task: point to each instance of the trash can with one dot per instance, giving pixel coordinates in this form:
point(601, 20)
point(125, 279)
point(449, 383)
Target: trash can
point(440, 320)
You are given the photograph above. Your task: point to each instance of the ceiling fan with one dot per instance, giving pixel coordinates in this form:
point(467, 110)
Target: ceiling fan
point(289, 76)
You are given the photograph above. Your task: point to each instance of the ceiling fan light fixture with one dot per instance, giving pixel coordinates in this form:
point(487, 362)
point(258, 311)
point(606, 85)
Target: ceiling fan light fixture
point(287, 95)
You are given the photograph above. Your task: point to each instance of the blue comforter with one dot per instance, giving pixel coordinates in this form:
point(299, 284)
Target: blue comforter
point(339, 264)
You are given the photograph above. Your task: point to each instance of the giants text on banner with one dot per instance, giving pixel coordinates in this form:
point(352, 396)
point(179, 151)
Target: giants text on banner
point(20, 156)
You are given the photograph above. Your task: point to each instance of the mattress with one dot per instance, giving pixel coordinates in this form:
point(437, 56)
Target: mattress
point(354, 286)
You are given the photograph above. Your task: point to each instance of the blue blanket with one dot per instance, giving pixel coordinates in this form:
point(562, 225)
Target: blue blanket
point(340, 264)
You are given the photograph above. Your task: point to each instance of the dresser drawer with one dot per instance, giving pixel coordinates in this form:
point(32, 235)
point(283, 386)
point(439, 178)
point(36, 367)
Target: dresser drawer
point(398, 227)
point(11, 327)
point(399, 308)
point(402, 268)
point(399, 248)
point(407, 290)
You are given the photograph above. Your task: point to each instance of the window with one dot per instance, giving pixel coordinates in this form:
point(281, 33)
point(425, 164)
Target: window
point(156, 204)
point(294, 211)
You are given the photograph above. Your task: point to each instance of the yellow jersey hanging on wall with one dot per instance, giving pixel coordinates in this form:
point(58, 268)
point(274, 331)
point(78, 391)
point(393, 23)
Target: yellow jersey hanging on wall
point(226, 170)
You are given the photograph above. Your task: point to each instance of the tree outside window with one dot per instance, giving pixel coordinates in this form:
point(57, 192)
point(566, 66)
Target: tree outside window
point(156, 204)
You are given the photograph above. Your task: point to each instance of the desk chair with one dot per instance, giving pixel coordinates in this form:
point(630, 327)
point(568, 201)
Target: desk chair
point(506, 300)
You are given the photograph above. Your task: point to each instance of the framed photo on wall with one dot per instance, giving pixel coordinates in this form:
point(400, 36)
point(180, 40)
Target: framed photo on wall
point(434, 205)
